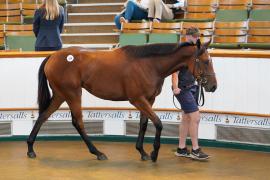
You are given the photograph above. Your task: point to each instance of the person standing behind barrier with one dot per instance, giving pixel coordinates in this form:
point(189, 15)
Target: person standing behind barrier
point(186, 92)
point(47, 26)
point(159, 10)
point(134, 10)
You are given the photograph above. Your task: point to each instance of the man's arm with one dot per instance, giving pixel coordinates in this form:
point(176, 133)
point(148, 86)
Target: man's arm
point(175, 88)
point(36, 23)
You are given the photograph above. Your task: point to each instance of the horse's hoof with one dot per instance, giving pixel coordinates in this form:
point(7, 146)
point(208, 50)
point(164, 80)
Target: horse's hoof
point(154, 156)
point(145, 157)
point(31, 154)
point(102, 157)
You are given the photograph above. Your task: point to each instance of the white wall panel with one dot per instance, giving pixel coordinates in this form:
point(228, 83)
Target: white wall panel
point(243, 85)
point(264, 87)
point(22, 127)
point(18, 82)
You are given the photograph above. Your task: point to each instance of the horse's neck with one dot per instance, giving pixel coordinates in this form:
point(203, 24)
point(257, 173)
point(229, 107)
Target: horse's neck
point(166, 65)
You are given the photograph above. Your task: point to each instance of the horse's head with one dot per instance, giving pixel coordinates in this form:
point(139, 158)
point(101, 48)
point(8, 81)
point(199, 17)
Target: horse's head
point(202, 68)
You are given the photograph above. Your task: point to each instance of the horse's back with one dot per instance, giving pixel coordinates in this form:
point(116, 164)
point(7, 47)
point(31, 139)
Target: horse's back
point(78, 66)
point(110, 75)
point(65, 58)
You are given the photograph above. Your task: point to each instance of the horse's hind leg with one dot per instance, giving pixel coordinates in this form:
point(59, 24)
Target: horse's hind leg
point(143, 127)
point(139, 144)
point(75, 107)
point(144, 106)
point(54, 105)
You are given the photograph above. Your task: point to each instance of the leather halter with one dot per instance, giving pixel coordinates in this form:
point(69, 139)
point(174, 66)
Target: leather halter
point(201, 77)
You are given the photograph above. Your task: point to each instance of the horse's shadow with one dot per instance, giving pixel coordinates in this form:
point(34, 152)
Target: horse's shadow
point(63, 163)
point(128, 164)
point(54, 162)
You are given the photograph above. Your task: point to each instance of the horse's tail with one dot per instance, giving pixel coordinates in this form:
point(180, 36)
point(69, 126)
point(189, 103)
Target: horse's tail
point(44, 95)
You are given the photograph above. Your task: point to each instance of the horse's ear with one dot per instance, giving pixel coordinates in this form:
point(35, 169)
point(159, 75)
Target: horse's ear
point(207, 43)
point(198, 43)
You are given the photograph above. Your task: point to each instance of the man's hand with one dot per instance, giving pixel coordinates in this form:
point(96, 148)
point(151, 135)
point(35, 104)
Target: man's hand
point(176, 91)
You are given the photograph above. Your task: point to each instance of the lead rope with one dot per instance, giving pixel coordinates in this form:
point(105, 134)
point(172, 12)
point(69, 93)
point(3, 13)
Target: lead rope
point(200, 99)
point(175, 104)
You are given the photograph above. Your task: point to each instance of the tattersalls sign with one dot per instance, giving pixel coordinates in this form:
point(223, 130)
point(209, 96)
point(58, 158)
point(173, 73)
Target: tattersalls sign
point(236, 120)
point(13, 115)
point(168, 116)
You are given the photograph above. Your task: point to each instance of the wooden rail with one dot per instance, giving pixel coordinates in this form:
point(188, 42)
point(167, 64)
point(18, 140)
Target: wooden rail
point(18, 54)
point(155, 109)
point(213, 53)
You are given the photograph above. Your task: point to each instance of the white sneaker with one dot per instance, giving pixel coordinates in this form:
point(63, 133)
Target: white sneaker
point(123, 20)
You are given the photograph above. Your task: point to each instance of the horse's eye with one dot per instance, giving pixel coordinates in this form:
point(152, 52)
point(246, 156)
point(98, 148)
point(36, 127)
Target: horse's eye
point(206, 63)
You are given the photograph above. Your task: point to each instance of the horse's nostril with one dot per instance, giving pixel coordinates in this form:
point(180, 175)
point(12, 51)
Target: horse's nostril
point(213, 88)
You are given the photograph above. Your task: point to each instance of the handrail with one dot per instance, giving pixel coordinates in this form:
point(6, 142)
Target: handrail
point(155, 109)
point(240, 53)
point(213, 53)
point(17, 54)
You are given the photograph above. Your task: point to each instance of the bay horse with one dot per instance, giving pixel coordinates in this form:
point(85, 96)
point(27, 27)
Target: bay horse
point(131, 73)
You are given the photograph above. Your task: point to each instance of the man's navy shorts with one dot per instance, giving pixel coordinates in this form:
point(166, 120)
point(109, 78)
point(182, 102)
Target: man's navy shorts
point(188, 99)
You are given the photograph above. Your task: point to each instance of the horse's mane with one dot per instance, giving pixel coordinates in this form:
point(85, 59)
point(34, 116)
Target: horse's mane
point(153, 49)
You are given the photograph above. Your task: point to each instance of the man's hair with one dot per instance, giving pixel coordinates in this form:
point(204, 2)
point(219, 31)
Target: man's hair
point(193, 31)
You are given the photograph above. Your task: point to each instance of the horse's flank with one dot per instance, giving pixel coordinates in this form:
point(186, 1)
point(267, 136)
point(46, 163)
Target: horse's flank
point(120, 70)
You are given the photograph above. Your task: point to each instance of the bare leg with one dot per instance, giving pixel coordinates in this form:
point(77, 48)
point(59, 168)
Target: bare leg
point(139, 144)
point(183, 130)
point(54, 105)
point(151, 9)
point(75, 107)
point(158, 8)
point(144, 106)
point(193, 128)
point(162, 11)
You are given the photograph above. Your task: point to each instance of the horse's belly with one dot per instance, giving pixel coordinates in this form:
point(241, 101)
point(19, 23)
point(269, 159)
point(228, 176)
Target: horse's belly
point(110, 96)
point(109, 92)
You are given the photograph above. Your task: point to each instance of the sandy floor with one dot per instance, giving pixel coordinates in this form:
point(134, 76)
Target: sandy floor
point(71, 160)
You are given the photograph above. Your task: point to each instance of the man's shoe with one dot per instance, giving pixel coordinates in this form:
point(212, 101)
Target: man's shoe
point(182, 152)
point(156, 20)
point(198, 154)
point(123, 20)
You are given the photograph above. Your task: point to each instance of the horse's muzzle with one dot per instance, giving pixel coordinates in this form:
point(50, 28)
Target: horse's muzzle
point(213, 89)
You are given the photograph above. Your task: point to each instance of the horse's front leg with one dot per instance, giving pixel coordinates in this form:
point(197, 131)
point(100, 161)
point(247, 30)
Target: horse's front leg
point(139, 144)
point(144, 106)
